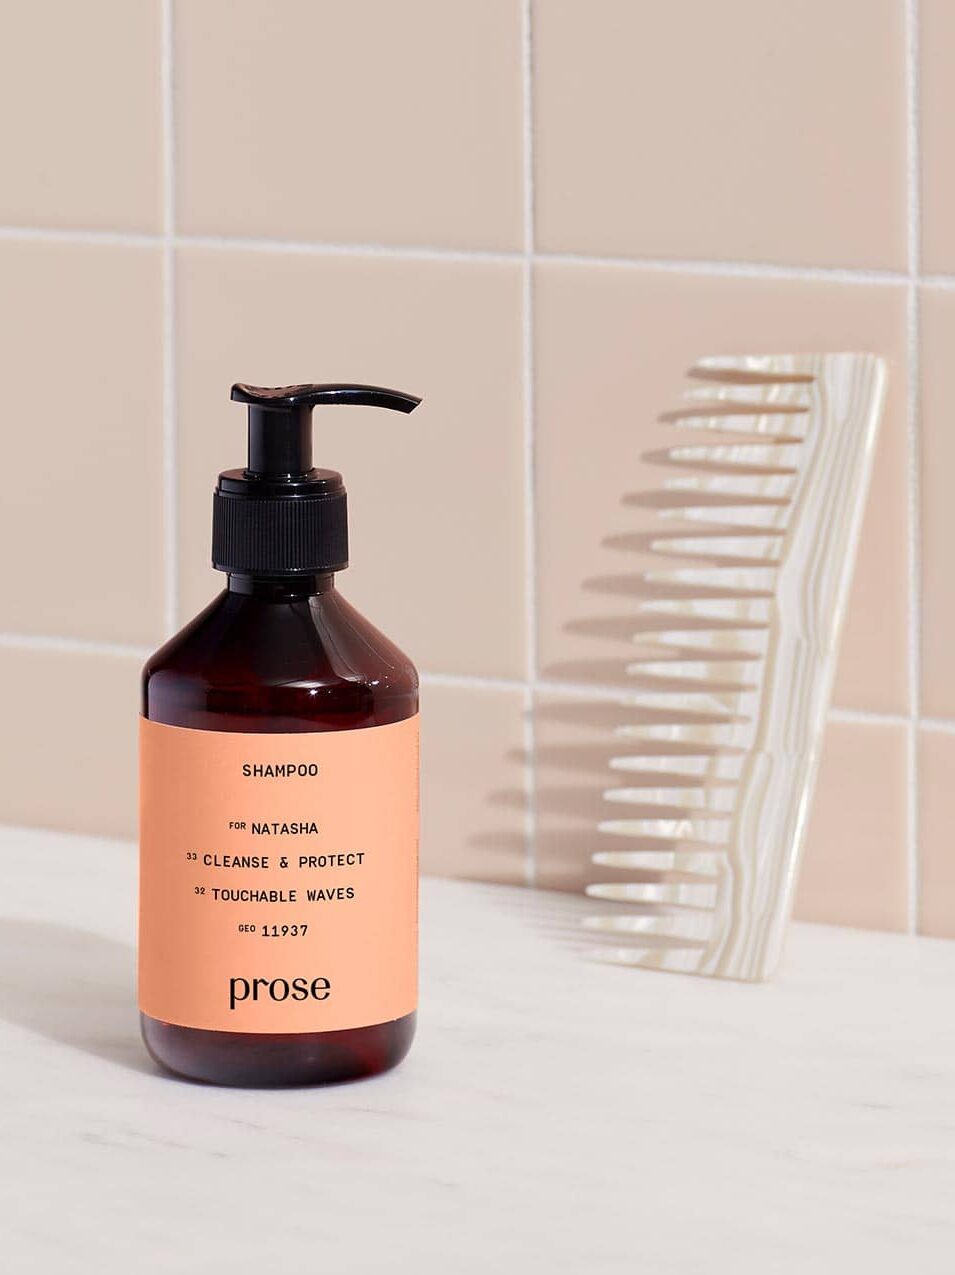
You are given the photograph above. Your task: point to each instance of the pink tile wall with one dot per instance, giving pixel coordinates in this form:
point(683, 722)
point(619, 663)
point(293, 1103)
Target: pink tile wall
point(537, 215)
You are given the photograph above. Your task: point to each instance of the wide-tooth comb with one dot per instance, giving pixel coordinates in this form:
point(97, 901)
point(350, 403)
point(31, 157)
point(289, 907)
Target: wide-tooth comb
point(713, 782)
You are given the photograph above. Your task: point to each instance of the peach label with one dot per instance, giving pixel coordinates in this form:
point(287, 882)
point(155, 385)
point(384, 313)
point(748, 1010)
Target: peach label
point(278, 877)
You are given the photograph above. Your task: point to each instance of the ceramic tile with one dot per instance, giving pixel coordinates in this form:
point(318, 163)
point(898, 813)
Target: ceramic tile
point(937, 324)
point(937, 134)
point(376, 123)
point(854, 869)
point(751, 130)
point(473, 784)
point(80, 329)
point(435, 499)
point(613, 346)
point(936, 846)
point(80, 115)
point(73, 720)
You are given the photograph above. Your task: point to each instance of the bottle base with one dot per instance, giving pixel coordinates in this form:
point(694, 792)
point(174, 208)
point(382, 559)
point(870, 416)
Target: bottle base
point(253, 1061)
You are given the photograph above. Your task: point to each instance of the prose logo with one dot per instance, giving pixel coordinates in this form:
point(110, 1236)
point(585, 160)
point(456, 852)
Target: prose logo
point(278, 989)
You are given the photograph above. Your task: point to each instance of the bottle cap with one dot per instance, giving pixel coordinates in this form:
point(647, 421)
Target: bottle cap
point(279, 516)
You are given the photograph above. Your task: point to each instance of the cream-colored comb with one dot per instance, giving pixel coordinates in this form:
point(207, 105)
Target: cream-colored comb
point(708, 820)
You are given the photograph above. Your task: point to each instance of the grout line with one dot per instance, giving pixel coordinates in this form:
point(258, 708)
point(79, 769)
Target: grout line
point(914, 455)
point(425, 252)
point(169, 495)
point(937, 724)
point(399, 252)
point(468, 681)
point(474, 682)
point(71, 646)
point(92, 238)
point(943, 281)
point(577, 690)
point(913, 220)
point(732, 269)
point(628, 695)
point(530, 486)
point(865, 717)
point(527, 125)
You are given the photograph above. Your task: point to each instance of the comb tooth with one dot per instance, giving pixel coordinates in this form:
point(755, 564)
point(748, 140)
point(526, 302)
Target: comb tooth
point(691, 644)
point(696, 677)
point(691, 923)
point(716, 676)
point(741, 579)
point(711, 831)
point(779, 426)
point(763, 487)
point(732, 612)
point(702, 862)
point(680, 954)
point(755, 548)
point(687, 928)
point(777, 459)
point(770, 396)
point(712, 801)
point(691, 894)
point(772, 367)
point(704, 668)
point(701, 703)
point(714, 527)
point(704, 735)
point(694, 669)
point(760, 517)
point(714, 768)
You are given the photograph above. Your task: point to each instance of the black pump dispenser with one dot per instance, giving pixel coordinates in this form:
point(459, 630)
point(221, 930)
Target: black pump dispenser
point(279, 516)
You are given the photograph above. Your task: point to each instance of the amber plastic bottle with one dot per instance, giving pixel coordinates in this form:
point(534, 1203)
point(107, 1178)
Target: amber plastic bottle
point(281, 652)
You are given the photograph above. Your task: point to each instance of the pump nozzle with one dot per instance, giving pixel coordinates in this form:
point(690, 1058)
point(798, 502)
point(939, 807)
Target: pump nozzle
point(279, 516)
point(280, 429)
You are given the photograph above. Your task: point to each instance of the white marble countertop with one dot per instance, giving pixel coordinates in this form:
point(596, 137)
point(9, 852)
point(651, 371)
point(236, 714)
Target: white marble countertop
point(554, 1115)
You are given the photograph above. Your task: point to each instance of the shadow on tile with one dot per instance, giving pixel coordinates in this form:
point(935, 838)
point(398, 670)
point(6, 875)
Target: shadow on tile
point(592, 750)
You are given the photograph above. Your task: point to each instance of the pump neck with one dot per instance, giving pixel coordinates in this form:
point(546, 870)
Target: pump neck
point(282, 588)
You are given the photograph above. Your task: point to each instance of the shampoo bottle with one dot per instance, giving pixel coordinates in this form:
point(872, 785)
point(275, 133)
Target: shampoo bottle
point(279, 790)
